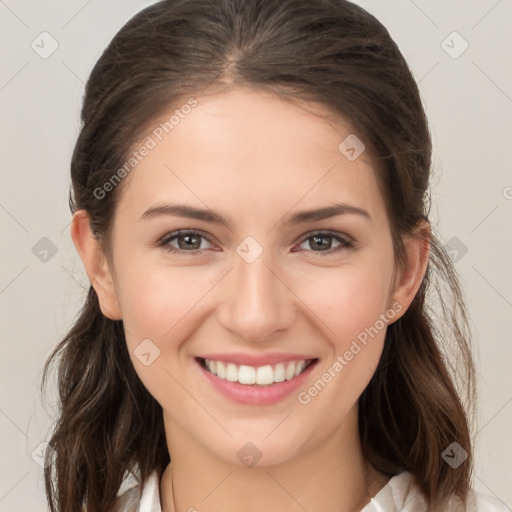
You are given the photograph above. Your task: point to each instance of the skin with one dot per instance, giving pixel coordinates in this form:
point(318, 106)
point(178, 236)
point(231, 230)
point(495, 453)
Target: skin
point(256, 159)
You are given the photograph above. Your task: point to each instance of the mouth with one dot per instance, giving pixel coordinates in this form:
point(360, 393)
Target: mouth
point(256, 376)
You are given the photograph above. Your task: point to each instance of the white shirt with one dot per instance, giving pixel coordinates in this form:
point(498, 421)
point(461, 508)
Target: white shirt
point(400, 494)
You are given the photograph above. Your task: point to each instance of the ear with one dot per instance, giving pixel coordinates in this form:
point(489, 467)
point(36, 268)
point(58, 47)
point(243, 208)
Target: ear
point(96, 264)
point(409, 278)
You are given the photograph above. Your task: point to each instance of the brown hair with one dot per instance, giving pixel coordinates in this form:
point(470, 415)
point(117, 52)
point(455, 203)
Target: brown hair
point(328, 51)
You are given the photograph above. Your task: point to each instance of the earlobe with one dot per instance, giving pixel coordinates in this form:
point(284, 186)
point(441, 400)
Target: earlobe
point(409, 279)
point(96, 264)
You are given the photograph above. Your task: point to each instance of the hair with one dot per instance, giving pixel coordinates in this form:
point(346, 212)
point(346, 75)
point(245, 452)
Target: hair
point(330, 52)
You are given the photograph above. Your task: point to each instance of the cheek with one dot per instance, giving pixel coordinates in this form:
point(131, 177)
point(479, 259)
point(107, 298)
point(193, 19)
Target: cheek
point(158, 312)
point(352, 357)
point(164, 305)
point(155, 301)
point(352, 304)
point(348, 299)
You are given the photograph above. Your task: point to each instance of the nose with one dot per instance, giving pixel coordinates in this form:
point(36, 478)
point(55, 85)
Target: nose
point(256, 301)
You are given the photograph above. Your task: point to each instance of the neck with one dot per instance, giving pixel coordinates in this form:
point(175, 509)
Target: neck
point(332, 477)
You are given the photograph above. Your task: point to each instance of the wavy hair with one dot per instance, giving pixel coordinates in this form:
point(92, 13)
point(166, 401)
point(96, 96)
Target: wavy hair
point(328, 51)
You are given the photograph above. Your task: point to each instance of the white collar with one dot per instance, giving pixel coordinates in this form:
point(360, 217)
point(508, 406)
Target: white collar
point(400, 494)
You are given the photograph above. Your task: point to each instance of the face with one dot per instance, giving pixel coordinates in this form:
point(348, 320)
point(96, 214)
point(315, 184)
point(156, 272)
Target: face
point(253, 283)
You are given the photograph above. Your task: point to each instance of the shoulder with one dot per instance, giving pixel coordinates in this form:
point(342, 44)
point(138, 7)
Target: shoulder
point(483, 503)
point(131, 497)
point(402, 494)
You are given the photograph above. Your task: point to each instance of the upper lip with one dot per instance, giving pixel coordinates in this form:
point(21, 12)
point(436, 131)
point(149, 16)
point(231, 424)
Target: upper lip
point(255, 359)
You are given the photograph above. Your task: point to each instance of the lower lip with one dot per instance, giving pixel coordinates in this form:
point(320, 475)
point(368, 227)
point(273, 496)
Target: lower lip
point(257, 394)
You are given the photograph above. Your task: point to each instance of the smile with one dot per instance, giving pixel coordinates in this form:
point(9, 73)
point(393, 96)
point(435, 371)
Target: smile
point(251, 375)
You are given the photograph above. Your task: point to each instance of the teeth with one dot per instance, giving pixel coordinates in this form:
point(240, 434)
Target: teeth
point(299, 368)
point(221, 369)
point(290, 371)
point(279, 373)
point(212, 365)
point(231, 372)
point(262, 375)
point(246, 375)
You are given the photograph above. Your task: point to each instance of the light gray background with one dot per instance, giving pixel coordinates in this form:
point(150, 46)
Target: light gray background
point(468, 101)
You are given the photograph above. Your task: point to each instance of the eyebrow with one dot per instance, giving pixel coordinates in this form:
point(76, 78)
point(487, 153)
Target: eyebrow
point(325, 213)
point(182, 210)
point(206, 215)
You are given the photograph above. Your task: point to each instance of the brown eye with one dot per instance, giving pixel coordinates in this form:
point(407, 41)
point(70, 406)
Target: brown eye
point(189, 241)
point(323, 243)
point(320, 242)
point(185, 241)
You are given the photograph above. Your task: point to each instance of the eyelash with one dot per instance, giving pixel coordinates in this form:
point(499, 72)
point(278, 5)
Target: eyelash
point(345, 243)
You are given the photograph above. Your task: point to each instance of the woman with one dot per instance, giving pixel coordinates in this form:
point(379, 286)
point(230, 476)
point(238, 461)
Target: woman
point(249, 191)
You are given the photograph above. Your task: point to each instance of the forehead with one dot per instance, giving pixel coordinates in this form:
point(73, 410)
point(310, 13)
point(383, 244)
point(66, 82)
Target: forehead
point(247, 147)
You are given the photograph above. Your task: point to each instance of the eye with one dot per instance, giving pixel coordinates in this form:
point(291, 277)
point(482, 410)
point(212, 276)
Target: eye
point(191, 241)
point(322, 242)
point(186, 240)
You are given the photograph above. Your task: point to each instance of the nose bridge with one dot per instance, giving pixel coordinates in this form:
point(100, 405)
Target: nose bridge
point(257, 302)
